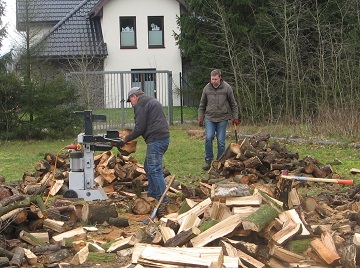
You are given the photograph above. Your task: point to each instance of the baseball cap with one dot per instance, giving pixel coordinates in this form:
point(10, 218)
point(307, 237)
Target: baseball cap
point(133, 90)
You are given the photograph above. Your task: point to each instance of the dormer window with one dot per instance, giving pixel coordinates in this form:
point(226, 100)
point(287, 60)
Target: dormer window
point(127, 32)
point(156, 32)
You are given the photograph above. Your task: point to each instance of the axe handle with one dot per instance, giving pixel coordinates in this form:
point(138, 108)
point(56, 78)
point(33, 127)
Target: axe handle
point(153, 214)
point(236, 136)
point(298, 178)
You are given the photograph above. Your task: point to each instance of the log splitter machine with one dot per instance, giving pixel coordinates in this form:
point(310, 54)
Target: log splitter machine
point(81, 175)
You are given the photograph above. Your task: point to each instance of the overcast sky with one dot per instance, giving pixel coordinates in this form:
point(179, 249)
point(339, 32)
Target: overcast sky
point(10, 20)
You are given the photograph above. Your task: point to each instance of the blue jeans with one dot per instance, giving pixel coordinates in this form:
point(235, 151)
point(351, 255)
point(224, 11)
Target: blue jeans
point(153, 166)
point(212, 128)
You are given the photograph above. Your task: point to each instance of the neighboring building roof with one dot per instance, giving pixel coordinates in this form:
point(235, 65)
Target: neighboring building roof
point(74, 33)
point(44, 10)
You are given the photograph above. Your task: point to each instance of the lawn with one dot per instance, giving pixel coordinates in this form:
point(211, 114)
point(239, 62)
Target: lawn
point(184, 157)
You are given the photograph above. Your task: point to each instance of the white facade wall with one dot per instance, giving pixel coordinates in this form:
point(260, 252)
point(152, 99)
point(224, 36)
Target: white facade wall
point(119, 59)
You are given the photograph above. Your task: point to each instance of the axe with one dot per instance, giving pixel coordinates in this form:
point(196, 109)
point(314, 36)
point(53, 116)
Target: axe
point(236, 136)
point(298, 178)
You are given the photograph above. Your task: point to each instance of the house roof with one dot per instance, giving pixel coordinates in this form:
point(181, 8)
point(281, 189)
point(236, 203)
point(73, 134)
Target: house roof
point(73, 33)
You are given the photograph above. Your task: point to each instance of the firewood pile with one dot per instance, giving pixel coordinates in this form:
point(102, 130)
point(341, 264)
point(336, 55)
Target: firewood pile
point(256, 160)
point(248, 213)
point(112, 172)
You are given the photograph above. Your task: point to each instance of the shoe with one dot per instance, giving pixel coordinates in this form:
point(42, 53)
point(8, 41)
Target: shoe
point(162, 210)
point(207, 165)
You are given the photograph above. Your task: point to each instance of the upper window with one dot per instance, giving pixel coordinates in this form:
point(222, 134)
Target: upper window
point(156, 32)
point(127, 32)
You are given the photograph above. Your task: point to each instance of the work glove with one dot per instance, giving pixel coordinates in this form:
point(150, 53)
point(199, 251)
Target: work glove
point(201, 123)
point(236, 122)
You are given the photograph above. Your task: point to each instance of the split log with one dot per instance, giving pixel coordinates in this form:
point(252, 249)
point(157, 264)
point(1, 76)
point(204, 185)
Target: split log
point(283, 188)
point(251, 200)
point(58, 226)
point(32, 240)
point(43, 236)
point(285, 255)
point(219, 211)
point(174, 257)
point(122, 243)
point(328, 241)
point(244, 211)
point(141, 206)
point(55, 188)
point(79, 233)
point(106, 173)
point(182, 238)
point(249, 261)
point(274, 203)
point(231, 262)
point(166, 233)
point(191, 220)
point(186, 205)
point(42, 166)
point(275, 263)
point(232, 150)
point(323, 252)
point(244, 260)
point(247, 247)
point(30, 257)
point(289, 230)
point(128, 148)
point(293, 215)
point(80, 257)
point(354, 170)
point(198, 209)
point(95, 248)
point(257, 220)
point(219, 230)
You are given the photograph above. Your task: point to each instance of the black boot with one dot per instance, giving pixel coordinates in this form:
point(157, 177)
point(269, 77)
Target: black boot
point(162, 210)
point(207, 164)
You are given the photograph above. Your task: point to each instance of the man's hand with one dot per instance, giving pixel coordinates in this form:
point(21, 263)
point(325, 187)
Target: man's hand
point(236, 122)
point(201, 123)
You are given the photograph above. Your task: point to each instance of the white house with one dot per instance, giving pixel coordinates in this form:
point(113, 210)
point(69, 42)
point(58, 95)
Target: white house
point(114, 35)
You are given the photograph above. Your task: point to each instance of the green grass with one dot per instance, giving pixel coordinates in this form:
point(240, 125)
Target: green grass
point(185, 113)
point(185, 155)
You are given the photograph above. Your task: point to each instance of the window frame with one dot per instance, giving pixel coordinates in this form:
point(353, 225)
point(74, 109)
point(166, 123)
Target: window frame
point(150, 20)
point(121, 18)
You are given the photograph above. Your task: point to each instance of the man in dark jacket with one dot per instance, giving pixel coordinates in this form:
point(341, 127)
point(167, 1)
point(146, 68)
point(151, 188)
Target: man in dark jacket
point(151, 124)
point(217, 106)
